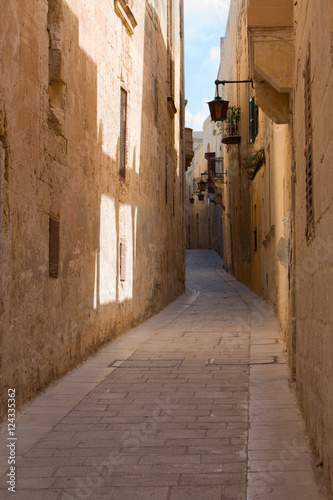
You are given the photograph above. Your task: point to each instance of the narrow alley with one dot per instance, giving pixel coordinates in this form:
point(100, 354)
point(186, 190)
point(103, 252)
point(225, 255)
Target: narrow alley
point(193, 404)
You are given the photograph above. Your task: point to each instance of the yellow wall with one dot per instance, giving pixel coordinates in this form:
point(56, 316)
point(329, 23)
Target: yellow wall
point(314, 257)
point(269, 192)
point(62, 66)
point(296, 271)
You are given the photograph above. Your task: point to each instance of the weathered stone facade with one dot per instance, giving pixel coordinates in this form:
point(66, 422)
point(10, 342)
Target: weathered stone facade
point(278, 226)
point(313, 267)
point(92, 170)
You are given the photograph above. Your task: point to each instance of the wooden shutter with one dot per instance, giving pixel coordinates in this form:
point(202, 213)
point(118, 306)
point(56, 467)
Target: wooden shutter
point(253, 120)
point(181, 115)
point(123, 133)
point(54, 247)
point(156, 101)
point(122, 261)
point(166, 176)
point(308, 151)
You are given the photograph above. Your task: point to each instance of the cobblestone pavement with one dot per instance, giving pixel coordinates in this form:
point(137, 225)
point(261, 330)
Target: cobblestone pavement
point(193, 404)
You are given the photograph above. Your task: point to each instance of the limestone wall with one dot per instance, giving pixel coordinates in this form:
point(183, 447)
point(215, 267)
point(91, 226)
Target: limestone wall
point(236, 216)
point(290, 199)
point(257, 216)
point(314, 255)
point(293, 190)
point(63, 65)
point(276, 219)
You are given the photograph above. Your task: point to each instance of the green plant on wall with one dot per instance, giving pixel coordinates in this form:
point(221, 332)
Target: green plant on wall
point(233, 115)
point(232, 120)
point(254, 163)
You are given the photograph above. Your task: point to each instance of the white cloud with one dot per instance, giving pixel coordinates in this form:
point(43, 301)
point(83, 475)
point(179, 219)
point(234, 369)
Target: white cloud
point(205, 23)
point(196, 120)
point(208, 8)
point(214, 54)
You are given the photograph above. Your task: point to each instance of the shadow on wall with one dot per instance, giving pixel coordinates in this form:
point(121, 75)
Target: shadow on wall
point(116, 263)
point(160, 217)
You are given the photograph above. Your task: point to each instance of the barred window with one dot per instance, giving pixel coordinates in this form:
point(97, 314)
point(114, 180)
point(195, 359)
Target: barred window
point(181, 114)
point(123, 133)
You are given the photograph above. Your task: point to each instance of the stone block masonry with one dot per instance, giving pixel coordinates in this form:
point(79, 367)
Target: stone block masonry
point(86, 253)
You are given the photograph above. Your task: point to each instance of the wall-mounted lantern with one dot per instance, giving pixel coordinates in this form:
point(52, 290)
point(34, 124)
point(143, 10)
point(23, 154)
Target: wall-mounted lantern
point(201, 196)
point(202, 185)
point(191, 200)
point(218, 108)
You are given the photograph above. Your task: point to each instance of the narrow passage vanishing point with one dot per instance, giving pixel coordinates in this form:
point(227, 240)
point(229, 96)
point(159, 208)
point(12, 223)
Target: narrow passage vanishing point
point(193, 404)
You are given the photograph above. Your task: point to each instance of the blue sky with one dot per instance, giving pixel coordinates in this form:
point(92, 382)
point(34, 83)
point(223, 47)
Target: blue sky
point(205, 23)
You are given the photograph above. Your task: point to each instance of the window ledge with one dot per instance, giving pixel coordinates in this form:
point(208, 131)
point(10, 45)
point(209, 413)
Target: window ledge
point(125, 13)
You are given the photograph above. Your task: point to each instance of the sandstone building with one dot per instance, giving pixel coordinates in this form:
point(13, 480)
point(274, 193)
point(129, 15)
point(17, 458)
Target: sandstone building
point(92, 168)
point(203, 209)
point(278, 231)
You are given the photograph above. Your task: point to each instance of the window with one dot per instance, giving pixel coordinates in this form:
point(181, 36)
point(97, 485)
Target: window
point(308, 152)
point(253, 121)
point(255, 234)
point(123, 133)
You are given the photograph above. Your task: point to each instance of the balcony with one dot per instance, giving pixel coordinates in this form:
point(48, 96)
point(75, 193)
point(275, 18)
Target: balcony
point(271, 57)
point(231, 126)
point(269, 13)
point(216, 166)
point(218, 176)
point(213, 179)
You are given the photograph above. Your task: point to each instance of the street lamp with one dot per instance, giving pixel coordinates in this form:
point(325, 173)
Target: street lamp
point(202, 185)
point(218, 108)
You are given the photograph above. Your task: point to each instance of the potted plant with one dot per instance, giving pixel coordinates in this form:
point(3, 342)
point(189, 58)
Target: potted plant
point(232, 120)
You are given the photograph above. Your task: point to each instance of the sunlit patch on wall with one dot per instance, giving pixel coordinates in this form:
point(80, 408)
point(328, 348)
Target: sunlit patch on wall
point(126, 237)
point(107, 276)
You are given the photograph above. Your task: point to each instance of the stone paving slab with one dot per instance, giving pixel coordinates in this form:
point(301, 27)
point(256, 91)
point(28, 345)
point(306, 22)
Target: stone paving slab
point(193, 404)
